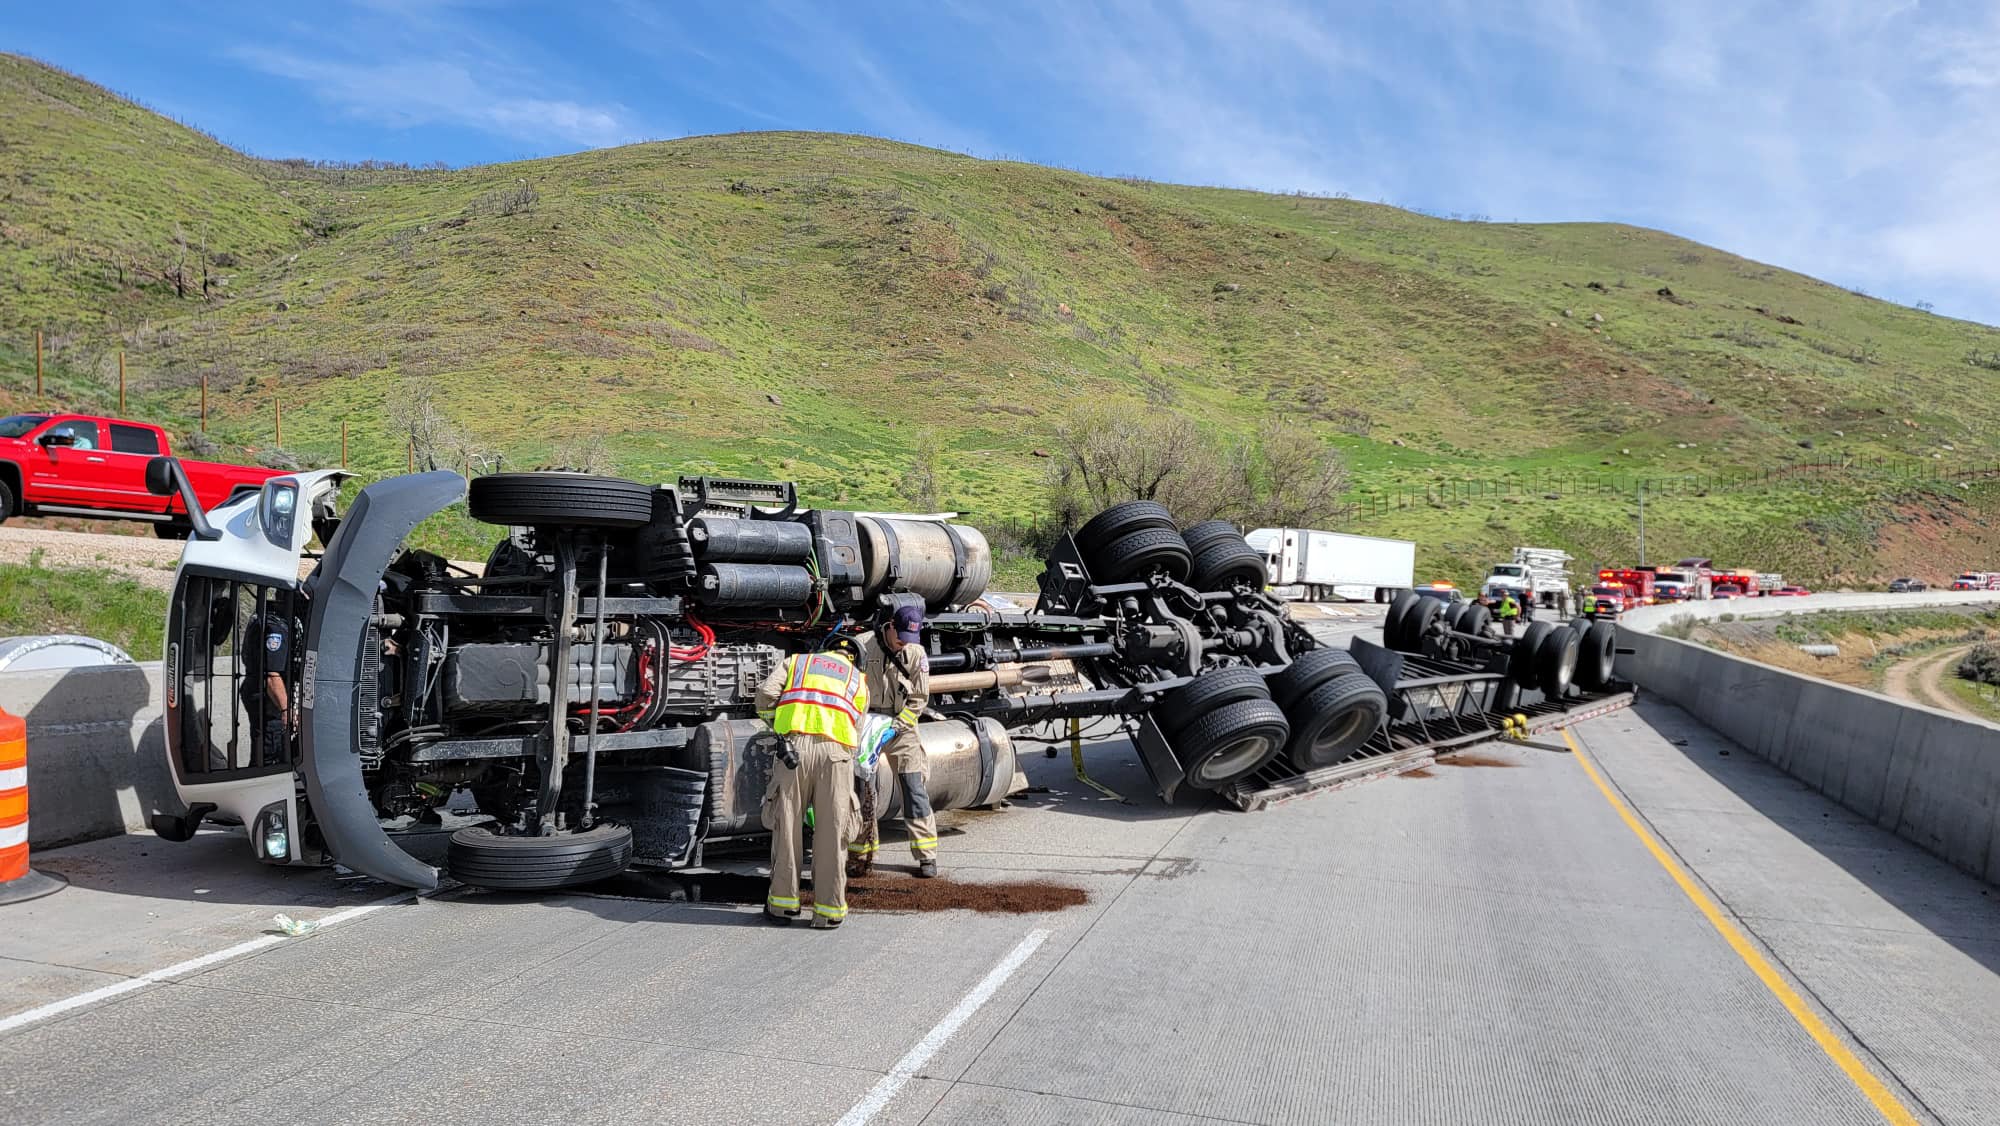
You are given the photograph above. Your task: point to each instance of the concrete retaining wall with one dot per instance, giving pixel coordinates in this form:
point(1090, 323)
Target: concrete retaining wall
point(1927, 775)
point(97, 759)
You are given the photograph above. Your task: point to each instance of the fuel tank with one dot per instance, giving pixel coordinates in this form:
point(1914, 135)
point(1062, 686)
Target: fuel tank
point(948, 564)
point(971, 764)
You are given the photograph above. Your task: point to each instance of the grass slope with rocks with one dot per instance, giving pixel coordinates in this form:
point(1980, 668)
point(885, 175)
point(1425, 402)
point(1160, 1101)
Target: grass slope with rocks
point(809, 306)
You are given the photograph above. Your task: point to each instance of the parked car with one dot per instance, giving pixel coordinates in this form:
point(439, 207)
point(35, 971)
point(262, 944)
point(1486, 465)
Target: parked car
point(1907, 586)
point(1605, 600)
point(87, 465)
point(1788, 592)
point(1444, 592)
point(1728, 590)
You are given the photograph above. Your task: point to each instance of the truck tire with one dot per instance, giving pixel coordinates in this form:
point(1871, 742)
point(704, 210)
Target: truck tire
point(6, 502)
point(1555, 662)
point(1392, 624)
point(555, 499)
point(1121, 520)
point(1209, 691)
point(1201, 535)
point(487, 859)
point(1416, 622)
point(1597, 655)
point(1140, 553)
point(1335, 720)
point(1521, 660)
point(1226, 561)
point(168, 530)
point(1308, 671)
point(1474, 619)
point(1230, 742)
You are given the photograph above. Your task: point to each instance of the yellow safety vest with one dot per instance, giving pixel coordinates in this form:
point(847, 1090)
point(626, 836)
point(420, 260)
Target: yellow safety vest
point(824, 695)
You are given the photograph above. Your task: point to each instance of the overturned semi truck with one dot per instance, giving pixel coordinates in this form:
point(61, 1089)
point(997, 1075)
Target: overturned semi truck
point(591, 686)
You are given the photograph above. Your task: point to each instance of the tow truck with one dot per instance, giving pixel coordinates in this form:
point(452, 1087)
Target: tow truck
point(590, 690)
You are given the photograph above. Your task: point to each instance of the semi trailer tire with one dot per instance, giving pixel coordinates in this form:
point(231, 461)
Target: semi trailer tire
point(1521, 660)
point(1224, 562)
point(573, 500)
point(1121, 520)
point(489, 860)
point(1308, 671)
point(1201, 535)
point(1415, 623)
point(1334, 720)
point(1230, 742)
point(1598, 653)
point(1392, 623)
point(1474, 619)
point(1555, 662)
point(1140, 553)
point(1209, 691)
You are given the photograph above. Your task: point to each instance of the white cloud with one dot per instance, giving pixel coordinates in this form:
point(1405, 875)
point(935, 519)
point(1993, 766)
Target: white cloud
point(410, 92)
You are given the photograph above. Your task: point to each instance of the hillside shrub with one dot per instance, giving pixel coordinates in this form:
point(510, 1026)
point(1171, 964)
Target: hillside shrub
point(1982, 664)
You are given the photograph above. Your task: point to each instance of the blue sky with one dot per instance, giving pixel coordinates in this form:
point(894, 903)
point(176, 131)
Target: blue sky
point(1857, 140)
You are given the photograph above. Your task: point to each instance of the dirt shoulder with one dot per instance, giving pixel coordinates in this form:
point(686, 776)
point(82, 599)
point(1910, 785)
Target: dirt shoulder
point(147, 561)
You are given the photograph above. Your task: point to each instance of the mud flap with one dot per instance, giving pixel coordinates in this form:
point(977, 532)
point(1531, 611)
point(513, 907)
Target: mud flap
point(1158, 758)
point(343, 602)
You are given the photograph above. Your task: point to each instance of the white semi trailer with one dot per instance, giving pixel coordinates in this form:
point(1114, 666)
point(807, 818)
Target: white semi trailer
point(1316, 566)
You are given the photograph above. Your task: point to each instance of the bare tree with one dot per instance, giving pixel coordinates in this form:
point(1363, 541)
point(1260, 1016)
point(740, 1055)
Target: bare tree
point(922, 484)
point(1288, 478)
point(438, 441)
point(584, 455)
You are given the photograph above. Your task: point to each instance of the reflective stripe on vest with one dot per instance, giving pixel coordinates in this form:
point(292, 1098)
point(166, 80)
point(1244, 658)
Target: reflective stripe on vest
point(823, 696)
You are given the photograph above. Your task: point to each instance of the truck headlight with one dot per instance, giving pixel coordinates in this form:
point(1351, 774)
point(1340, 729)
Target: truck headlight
point(271, 834)
point(279, 511)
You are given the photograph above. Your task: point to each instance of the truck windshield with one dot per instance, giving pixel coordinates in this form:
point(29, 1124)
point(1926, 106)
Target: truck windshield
point(15, 425)
point(1507, 570)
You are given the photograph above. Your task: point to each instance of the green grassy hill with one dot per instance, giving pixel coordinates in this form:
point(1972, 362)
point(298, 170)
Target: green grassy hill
point(805, 305)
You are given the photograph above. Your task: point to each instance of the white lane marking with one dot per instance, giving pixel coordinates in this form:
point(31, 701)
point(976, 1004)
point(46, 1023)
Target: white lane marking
point(91, 997)
point(906, 1068)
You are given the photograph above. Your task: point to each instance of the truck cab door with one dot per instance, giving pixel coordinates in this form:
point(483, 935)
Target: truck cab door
point(130, 447)
point(68, 465)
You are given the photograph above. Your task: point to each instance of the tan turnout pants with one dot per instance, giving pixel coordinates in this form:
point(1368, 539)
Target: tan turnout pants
point(912, 765)
point(824, 780)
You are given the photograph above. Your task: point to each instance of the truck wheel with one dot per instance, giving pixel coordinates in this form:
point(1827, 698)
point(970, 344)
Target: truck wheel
point(1308, 671)
point(1225, 562)
point(1392, 624)
point(1521, 660)
point(486, 859)
point(1474, 619)
point(1201, 535)
point(1335, 719)
point(1555, 661)
point(171, 530)
point(554, 499)
point(1416, 622)
point(6, 502)
point(1140, 553)
point(1121, 520)
point(1209, 691)
point(1598, 653)
point(1230, 742)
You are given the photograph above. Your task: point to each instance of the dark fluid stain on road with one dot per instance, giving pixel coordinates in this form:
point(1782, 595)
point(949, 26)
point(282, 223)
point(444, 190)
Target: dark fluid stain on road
point(1475, 758)
point(1419, 772)
point(882, 892)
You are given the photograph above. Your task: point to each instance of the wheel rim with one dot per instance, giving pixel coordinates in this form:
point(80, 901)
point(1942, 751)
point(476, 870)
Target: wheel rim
point(1234, 760)
point(1334, 734)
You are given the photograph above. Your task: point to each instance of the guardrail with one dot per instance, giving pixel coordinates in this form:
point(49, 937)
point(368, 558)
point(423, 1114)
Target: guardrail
point(1926, 775)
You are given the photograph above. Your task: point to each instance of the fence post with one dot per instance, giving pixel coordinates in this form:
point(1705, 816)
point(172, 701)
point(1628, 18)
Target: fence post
point(413, 454)
point(343, 443)
point(204, 404)
point(38, 363)
point(278, 420)
point(121, 381)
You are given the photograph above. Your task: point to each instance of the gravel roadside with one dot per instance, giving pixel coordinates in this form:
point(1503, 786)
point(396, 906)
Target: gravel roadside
point(150, 562)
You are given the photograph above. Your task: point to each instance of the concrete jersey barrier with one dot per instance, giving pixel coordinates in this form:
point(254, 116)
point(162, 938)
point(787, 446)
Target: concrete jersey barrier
point(1927, 775)
point(97, 759)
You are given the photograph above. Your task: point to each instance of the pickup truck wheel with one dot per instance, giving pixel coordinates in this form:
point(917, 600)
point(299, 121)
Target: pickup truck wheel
point(6, 502)
point(1334, 720)
point(1120, 520)
point(1308, 671)
point(486, 859)
point(573, 500)
point(1209, 691)
point(1223, 563)
point(1521, 660)
point(1140, 553)
point(1597, 654)
point(1392, 625)
point(1201, 535)
point(1555, 661)
point(171, 530)
point(1230, 742)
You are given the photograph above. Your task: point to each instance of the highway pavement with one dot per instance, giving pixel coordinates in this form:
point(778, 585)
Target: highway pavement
point(1649, 928)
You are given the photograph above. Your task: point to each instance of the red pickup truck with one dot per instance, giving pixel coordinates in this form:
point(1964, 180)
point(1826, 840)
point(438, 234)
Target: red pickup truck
point(84, 465)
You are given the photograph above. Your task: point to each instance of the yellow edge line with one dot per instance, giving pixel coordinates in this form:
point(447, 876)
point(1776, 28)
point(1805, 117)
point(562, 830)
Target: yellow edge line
point(1837, 1050)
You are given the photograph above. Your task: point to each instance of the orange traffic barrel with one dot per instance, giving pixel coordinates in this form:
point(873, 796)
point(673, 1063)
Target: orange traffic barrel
point(17, 880)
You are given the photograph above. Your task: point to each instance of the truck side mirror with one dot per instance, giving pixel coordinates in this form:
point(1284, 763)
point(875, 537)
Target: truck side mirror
point(160, 477)
point(59, 438)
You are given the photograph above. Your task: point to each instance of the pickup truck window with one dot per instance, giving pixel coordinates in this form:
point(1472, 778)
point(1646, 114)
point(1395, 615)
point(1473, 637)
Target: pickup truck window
point(82, 429)
point(134, 440)
point(15, 425)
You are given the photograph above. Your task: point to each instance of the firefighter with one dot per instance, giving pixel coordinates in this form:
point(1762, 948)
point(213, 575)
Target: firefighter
point(900, 671)
point(815, 702)
point(1508, 611)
